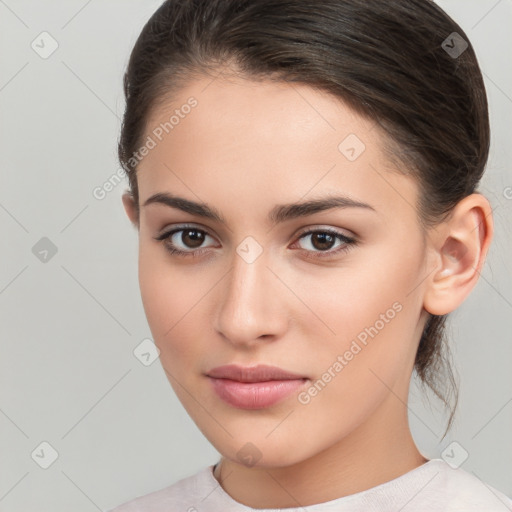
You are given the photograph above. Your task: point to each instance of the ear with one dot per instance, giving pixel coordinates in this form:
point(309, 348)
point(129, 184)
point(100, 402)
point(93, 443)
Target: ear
point(458, 248)
point(131, 208)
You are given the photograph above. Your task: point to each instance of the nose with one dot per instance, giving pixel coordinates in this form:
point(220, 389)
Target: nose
point(252, 306)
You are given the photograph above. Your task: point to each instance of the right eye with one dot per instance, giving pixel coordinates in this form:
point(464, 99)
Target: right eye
point(189, 237)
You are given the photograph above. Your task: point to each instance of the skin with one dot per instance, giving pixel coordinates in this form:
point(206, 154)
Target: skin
point(244, 148)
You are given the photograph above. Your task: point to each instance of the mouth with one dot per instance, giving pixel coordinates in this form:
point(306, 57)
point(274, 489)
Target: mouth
point(255, 387)
point(259, 373)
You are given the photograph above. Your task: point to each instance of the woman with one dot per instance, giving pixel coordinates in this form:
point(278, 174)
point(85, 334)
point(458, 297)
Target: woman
point(303, 179)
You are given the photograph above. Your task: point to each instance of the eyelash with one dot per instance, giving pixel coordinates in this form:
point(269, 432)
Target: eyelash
point(348, 242)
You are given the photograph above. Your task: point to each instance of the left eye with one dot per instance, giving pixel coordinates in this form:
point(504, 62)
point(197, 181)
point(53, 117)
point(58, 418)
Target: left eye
point(323, 240)
point(320, 238)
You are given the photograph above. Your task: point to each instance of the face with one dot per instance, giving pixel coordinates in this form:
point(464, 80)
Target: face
point(332, 295)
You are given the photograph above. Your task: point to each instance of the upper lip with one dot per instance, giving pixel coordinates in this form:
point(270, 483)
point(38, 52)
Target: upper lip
point(259, 373)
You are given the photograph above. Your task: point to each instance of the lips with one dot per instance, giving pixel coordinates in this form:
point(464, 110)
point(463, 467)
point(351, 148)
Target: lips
point(255, 387)
point(260, 373)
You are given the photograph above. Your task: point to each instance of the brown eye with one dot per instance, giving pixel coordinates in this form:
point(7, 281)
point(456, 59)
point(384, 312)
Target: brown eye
point(184, 241)
point(192, 238)
point(322, 243)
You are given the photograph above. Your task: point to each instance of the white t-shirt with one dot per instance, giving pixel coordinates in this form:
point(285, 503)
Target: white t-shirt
point(434, 487)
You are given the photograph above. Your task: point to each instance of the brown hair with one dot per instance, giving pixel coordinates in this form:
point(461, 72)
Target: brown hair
point(396, 62)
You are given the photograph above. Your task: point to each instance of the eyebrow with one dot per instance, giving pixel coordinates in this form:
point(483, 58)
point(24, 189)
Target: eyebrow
point(278, 214)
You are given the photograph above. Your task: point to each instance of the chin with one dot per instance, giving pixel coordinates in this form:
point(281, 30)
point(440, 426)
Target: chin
point(258, 452)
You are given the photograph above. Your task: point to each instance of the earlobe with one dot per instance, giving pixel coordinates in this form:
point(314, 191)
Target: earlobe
point(460, 246)
point(130, 208)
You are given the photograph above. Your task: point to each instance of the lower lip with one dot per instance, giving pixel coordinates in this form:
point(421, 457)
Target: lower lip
point(254, 395)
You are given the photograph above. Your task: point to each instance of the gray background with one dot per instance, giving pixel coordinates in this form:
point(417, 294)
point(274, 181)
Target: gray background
point(70, 324)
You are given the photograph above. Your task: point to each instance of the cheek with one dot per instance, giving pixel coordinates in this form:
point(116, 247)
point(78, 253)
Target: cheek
point(367, 362)
point(162, 292)
point(348, 299)
point(371, 314)
point(173, 297)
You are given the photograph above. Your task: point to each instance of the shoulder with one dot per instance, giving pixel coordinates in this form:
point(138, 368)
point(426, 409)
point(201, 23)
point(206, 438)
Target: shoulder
point(182, 495)
point(455, 489)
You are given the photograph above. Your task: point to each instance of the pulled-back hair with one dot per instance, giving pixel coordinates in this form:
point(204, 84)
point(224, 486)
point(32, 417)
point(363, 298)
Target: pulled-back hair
point(397, 62)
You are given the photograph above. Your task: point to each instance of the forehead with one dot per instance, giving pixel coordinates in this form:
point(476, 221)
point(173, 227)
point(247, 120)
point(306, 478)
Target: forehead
point(266, 139)
point(265, 108)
